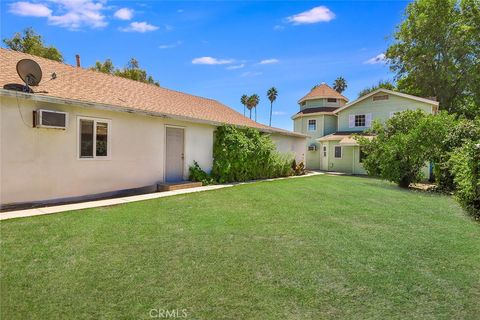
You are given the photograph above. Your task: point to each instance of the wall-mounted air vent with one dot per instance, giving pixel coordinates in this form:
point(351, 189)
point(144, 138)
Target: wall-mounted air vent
point(50, 119)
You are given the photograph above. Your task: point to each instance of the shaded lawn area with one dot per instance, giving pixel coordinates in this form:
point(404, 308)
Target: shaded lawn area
point(309, 248)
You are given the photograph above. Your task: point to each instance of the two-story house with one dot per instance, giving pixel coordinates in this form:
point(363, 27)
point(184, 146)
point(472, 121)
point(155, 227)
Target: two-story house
point(330, 122)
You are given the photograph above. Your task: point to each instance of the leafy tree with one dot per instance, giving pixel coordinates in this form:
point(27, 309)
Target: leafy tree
point(105, 67)
point(272, 94)
point(31, 42)
point(340, 84)
point(436, 53)
point(131, 71)
point(381, 84)
point(244, 101)
point(403, 145)
point(253, 100)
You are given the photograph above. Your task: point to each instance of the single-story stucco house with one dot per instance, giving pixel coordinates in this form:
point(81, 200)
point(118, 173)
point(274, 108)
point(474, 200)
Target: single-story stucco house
point(113, 134)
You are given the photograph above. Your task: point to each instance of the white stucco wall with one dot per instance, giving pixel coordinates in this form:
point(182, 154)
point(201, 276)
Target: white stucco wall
point(291, 144)
point(39, 164)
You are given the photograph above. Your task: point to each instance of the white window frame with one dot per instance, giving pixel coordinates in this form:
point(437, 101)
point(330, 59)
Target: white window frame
point(325, 151)
point(341, 152)
point(109, 138)
point(308, 125)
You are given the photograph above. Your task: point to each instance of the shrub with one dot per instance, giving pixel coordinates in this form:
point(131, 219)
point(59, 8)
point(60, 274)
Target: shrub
point(460, 132)
point(404, 145)
point(298, 169)
point(197, 174)
point(242, 154)
point(465, 166)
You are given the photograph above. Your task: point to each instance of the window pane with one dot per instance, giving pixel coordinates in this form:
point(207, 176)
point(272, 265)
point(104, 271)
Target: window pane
point(312, 125)
point(338, 152)
point(86, 138)
point(102, 138)
point(362, 155)
point(360, 120)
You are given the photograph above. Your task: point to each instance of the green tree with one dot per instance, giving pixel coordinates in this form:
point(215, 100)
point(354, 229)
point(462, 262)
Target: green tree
point(340, 84)
point(131, 71)
point(244, 101)
point(436, 53)
point(32, 43)
point(134, 72)
point(403, 145)
point(254, 100)
point(105, 67)
point(381, 84)
point(272, 94)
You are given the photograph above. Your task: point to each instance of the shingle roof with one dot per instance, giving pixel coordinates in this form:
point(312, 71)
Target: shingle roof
point(322, 91)
point(85, 85)
point(317, 109)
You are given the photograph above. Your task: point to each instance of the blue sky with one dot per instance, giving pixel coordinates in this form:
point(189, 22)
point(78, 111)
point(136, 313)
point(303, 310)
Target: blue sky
point(223, 49)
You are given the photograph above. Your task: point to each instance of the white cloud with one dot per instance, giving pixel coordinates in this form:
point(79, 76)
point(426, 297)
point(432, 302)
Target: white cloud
point(314, 15)
point(269, 61)
point(30, 9)
point(211, 61)
point(238, 66)
point(377, 59)
point(251, 74)
point(124, 14)
point(71, 14)
point(139, 27)
point(170, 46)
point(279, 113)
point(278, 27)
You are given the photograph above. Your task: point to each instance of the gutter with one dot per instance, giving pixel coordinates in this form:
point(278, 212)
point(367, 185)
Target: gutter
point(114, 108)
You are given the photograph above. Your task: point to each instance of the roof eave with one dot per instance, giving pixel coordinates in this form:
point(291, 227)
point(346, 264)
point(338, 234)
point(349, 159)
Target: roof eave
point(116, 108)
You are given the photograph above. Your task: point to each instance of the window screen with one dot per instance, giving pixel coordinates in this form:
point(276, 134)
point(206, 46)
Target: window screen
point(338, 151)
point(86, 138)
point(360, 120)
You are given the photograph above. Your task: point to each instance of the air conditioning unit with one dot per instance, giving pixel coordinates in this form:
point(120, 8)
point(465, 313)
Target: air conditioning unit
point(50, 119)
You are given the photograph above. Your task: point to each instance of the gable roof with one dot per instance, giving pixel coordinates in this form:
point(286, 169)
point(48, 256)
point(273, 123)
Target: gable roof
point(395, 93)
point(84, 86)
point(322, 91)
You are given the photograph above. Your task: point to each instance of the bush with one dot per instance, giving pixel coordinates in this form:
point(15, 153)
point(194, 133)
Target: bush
point(460, 132)
point(298, 169)
point(465, 166)
point(242, 154)
point(404, 145)
point(197, 174)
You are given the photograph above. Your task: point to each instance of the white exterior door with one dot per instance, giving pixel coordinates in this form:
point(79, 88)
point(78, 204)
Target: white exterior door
point(174, 159)
point(324, 156)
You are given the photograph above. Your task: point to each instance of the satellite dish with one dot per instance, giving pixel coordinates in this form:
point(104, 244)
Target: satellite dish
point(29, 71)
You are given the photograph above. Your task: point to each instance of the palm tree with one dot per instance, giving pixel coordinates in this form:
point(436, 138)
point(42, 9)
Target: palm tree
point(244, 101)
point(272, 94)
point(254, 100)
point(340, 84)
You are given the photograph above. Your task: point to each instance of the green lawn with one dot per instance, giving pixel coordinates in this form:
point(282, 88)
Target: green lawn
point(309, 248)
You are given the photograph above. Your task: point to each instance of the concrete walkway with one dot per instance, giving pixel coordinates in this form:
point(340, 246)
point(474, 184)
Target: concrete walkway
point(115, 201)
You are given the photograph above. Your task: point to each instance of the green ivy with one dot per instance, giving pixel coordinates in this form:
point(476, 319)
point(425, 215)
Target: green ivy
point(242, 154)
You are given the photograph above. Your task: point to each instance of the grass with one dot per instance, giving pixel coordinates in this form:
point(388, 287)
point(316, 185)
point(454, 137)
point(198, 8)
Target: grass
point(309, 248)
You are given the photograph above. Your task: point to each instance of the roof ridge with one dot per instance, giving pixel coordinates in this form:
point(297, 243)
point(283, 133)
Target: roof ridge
point(108, 74)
